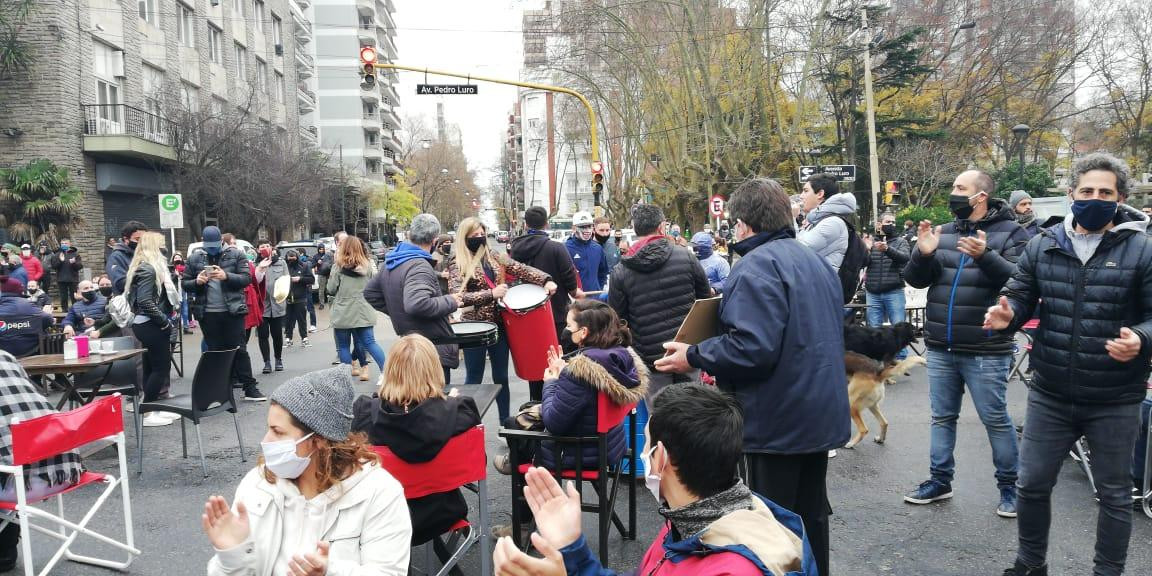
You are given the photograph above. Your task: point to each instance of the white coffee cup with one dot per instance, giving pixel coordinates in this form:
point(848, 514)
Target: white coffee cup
point(108, 346)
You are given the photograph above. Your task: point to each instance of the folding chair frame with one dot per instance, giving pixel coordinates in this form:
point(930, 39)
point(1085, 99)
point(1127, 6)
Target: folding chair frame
point(605, 506)
point(1146, 489)
point(428, 480)
point(109, 411)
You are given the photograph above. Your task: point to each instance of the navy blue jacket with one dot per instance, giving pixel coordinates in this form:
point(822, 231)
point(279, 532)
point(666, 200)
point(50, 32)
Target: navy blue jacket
point(590, 263)
point(780, 351)
point(21, 324)
point(569, 402)
point(81, 309)
point(117, 266)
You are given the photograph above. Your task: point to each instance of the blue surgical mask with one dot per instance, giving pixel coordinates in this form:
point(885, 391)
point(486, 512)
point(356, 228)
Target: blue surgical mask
point(1093, 214)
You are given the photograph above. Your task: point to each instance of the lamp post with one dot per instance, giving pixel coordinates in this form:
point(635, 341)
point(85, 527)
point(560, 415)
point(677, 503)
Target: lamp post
point(870, 116)
point(1020, 132)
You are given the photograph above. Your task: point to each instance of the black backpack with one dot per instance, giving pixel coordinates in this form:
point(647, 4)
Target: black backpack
point(855, 259)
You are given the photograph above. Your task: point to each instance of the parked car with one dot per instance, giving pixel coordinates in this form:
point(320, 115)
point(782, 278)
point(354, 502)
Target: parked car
point(378, 249)
point(244, 245)
point(308, 248)
point(502, 236)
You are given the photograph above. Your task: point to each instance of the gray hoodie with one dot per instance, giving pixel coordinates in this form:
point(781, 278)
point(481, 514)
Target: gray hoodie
point(272, 308)
point(826, 235)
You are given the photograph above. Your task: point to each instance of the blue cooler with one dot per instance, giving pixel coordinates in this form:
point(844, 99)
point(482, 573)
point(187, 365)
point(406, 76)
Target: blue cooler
point(641, 422)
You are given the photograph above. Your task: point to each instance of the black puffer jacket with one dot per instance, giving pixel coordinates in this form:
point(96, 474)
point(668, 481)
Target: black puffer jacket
point(886, 269)
point(1085, 305)
point(960, 289)
point(552, 258)
point(653, 289)
point(234, 264)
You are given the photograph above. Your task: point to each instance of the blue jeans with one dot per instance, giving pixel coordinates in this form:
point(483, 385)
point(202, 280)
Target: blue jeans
point(887, 305)
point(365, 340)
point(184, 311)
point(474, 370)
point(1141, 451)
point(1053, 427)
point(986, 378)
point(311, 309)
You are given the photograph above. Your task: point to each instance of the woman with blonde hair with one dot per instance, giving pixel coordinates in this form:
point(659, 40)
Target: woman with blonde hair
point(353, 318)
point(320, 502)
point(411, 415)
point(150, 292)
point(481, 277)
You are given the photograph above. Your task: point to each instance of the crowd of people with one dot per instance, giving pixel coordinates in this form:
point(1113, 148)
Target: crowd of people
point(739, 469)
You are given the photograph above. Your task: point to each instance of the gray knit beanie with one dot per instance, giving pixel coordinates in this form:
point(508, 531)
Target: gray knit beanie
point(321, 400)
point(1016, 197)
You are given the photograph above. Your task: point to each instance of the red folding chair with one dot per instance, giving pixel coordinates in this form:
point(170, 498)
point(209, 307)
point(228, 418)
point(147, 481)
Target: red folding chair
point(462, 463)
point(1022, 351)
point(47, 436)
point(608, 416)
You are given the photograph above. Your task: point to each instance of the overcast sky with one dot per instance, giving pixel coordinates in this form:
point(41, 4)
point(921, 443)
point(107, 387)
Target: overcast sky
point(470, 36)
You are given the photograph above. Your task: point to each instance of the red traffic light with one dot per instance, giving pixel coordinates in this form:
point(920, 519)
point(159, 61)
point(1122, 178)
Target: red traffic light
point(368, 55)
point(597, 168)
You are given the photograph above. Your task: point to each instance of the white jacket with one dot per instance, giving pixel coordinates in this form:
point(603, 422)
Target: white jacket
point(367, 525)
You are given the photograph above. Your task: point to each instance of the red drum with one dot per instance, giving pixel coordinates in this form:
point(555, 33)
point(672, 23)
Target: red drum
point(527, 314)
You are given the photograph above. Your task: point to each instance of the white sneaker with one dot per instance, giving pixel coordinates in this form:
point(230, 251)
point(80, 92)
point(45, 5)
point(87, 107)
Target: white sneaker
point(169, 415)
point(311, 329)
point(305, 343)
point(288, 343)
point(831, 453)
point(154, 419)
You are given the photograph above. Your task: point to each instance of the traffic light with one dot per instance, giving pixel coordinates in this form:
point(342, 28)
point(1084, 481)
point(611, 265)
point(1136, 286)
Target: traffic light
point(892, 192)
point(368, 65)
point(597, 182)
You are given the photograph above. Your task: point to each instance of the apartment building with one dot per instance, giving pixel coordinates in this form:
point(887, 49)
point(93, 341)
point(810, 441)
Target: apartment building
point(356, 125)
point(107, 74)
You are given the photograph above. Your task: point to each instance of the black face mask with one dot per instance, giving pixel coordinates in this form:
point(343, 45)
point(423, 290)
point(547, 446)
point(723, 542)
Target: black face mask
point(132, 245)
point(293, 260)
point(446, 249)
point(603, 239)
point(958, 204)
point(889, 230)
point(89, 296)
point(106, 291)
point(474, 244)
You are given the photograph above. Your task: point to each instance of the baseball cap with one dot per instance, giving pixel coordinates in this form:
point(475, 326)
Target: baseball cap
point(581, 219)
point(212, 237)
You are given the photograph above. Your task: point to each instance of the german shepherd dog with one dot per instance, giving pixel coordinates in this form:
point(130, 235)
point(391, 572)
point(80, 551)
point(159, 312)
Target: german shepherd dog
point(866, 378)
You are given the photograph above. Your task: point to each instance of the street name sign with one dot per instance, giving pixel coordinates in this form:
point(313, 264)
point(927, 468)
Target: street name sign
point(445, 89)
point(171, 211)
point(842, 173)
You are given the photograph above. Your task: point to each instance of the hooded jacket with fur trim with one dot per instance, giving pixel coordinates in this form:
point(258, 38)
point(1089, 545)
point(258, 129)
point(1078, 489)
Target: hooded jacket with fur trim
point(569, 404)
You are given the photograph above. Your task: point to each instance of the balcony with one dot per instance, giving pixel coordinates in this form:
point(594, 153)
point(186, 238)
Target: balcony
point(306, 99)
point(388, 161)
point(388, 139)
point(388, 47)
point(303, 30)
point(389, 115)
point(371, 122)
point(366, 34)
point(121, 130)
point(303, 4)
point(373, 151)
point(370, 96)
point(305, 65)
point(366, 7)
point(309, 135)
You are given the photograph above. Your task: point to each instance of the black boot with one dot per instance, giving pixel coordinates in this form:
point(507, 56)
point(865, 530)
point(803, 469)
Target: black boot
point(9, 539)
point(1019, 569)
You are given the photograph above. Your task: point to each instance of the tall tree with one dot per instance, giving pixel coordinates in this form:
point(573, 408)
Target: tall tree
point(39, 202)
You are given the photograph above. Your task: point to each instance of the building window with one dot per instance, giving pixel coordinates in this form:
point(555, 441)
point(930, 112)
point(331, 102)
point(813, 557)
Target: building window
point(148, 12)
point(372, 141)
point(186, 25)
point(214, 35)
point(241, 62)
point(190, 97)
point(280, 88)
point(238, 8)
point(218, 106)
point(258, 14)
point(153, 85)
point(262, 75)
point(277, 30)
point(104, 68)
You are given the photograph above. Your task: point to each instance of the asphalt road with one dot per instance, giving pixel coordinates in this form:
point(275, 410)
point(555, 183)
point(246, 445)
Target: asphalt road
point(873, 531)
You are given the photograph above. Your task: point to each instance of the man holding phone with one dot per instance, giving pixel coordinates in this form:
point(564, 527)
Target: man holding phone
point(215, 278)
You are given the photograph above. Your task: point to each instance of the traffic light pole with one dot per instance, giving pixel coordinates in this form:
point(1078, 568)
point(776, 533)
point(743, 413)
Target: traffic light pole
point(592, 132)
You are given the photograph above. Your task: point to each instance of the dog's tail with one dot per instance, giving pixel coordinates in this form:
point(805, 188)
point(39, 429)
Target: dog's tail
point(901, 367)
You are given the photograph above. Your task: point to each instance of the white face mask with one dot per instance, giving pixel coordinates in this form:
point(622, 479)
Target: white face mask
point(281, 459)
point(651, 481)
